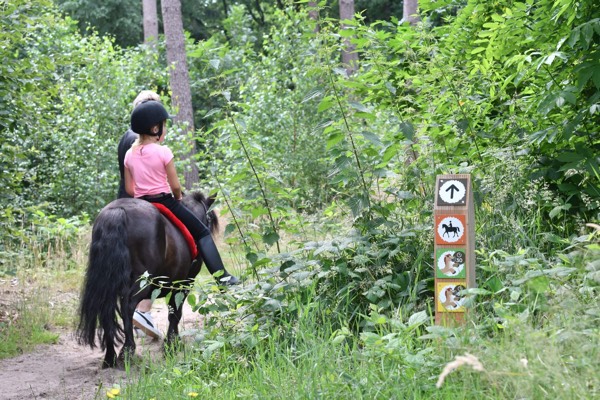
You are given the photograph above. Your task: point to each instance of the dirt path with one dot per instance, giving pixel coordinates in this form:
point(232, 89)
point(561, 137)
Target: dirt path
point(68, 371)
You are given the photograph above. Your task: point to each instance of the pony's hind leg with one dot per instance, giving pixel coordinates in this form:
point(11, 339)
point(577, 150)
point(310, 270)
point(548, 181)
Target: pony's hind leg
point(110, 357)
point(128, 349)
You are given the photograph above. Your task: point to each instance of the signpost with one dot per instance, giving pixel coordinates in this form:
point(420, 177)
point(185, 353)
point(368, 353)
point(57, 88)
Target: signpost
point(454, 250)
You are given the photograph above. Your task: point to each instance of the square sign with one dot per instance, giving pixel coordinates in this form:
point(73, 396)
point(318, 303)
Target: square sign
point(450, 262)
point(452, 192)
point(449, 296)
point(450, 229)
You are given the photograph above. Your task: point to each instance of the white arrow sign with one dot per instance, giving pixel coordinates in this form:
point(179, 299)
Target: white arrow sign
point(452, 192)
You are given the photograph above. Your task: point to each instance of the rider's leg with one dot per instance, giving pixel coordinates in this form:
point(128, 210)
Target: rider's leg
point(206, 245)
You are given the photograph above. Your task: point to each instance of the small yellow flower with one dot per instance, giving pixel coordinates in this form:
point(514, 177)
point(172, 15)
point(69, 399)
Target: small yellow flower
point(112, 393)
point(193, 394)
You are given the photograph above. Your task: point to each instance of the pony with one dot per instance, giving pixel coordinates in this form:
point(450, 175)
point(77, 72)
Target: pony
point(131, 239)
point(449, 265)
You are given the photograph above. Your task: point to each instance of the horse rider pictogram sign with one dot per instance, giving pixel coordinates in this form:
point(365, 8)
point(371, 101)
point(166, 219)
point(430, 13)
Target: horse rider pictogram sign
point(454, 247)
point(450, 229)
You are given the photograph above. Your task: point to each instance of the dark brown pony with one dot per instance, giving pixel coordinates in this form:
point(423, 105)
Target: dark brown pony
point(130, 237)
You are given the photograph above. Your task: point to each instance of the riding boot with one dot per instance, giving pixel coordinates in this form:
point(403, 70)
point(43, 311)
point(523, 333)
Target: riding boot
point(213, 261)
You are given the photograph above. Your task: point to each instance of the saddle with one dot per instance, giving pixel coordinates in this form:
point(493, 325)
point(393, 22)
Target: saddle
point(189, 239)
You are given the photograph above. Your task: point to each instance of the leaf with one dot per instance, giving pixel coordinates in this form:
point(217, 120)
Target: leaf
point(494, 284)
point(596, 78)
point(359, 106)
point(270, 237)
point(568, 156)
point(417, 319)
point(389, 152)
point(548, 103)
point(252, 257)
point(408, 130)
point(191, 299)
point(390, 87)
point(477, 50)
point(334, 139)
point(539, 284)
point(229, 229)
point(215, 63)
point(227, 95)
point(238, 177)
point(325, 104)
point(212, 112)
point(179, 297)
point(313, 94)
point(552, 56)
point(358, 203)
point(341, 71)
point(555, 211)
point(372, 137)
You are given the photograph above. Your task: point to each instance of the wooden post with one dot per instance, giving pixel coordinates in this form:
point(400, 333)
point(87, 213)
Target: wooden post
point(454, 249)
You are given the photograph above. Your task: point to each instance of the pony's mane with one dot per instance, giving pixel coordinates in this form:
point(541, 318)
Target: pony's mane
point(200, 197)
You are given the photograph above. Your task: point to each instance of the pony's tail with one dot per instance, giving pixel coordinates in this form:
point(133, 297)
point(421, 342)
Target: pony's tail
point(107, 279)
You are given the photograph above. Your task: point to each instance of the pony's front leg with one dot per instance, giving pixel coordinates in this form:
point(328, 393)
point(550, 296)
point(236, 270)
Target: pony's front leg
point(175, 312)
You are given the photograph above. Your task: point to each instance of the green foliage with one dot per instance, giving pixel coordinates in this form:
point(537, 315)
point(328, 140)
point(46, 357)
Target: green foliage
point(115, 18)
point(65, 103)
point(328, 179)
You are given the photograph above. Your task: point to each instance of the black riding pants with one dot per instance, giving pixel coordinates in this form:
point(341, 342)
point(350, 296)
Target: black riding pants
point(193, 223)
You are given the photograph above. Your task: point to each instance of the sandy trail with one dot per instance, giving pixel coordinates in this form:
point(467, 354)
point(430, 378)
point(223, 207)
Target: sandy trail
point(66, 370)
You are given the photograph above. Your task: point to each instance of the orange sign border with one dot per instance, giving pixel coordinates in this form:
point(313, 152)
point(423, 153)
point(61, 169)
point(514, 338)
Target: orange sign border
point(463, 239)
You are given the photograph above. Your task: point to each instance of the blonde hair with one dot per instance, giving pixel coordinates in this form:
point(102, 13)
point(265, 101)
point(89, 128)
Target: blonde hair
point(143, 96)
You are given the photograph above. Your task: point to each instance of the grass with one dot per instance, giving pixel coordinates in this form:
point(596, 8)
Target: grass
point(543, 342)
point(39, 301)
point(528, 354)
point(27, 330)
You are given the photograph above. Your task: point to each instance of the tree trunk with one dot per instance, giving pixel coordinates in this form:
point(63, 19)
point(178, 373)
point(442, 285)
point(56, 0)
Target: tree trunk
point(179, 79)
point(313, 13)
point(349, 57)
point(410, 11)
point(150, 21)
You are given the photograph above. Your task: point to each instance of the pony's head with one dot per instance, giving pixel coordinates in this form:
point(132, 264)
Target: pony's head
point(199, 204)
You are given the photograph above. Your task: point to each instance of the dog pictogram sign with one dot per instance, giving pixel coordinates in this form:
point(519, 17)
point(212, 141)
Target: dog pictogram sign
point(450, 262)
point(450, 297)
point(452, 192)
point(450, 229)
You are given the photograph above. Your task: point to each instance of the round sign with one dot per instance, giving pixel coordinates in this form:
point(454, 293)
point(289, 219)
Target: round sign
point(452, 191)
point(450, 229)
point(451, 263)
point(450, 297)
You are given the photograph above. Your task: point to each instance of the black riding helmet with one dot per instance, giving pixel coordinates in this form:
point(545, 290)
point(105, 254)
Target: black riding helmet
point(147, 115)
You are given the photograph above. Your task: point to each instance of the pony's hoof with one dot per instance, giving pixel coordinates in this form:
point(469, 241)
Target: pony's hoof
point(113, 364)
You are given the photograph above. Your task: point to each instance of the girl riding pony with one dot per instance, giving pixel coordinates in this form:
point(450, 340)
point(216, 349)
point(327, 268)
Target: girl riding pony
point(150, 175)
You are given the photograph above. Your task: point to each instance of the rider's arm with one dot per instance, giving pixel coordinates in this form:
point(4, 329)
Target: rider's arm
point(173, 180)
point(129, 184)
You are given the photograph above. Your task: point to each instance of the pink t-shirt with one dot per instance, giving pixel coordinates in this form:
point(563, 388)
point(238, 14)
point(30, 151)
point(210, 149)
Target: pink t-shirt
point(148, 166)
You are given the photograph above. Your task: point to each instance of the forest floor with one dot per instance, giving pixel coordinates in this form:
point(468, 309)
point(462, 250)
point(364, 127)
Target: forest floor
point(66, 370)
